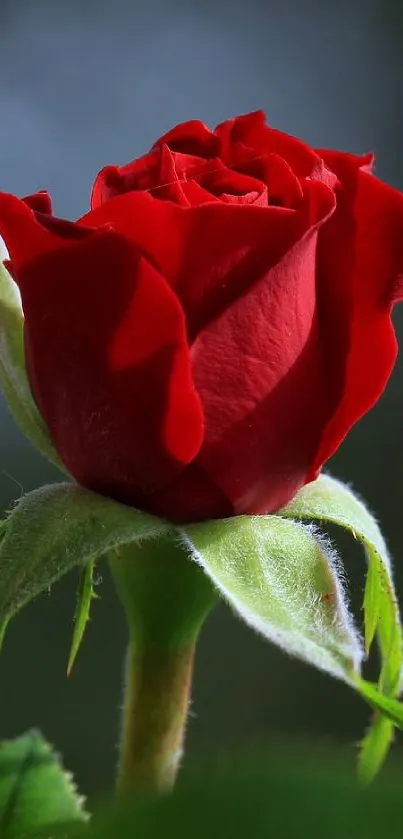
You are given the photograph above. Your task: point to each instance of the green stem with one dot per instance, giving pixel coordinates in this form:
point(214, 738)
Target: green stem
point(166, 598)
point(154, 717)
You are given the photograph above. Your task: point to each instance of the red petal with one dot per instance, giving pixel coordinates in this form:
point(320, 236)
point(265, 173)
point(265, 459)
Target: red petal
point(258, 370)
point(230, 182)
point(154, 172)
point(229, 247)
point(162, 172)
point(211, 253)
point(253, 131)
point(140, 175)
point(191, 496)
point(109, 366)
point(192, 137)
point(22, 232)
point(29, 235)
point(172, 177)
point(41, 202)
point(154, 227)
point(196, 195)
point(345, 161)
point(207, 253)
point(360, 262)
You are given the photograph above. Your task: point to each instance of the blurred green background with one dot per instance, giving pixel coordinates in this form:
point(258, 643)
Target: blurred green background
point(87, 83)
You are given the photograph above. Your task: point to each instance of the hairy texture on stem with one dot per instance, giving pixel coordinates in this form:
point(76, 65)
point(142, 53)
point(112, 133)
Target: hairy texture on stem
point(166, 598)
point(155, 708)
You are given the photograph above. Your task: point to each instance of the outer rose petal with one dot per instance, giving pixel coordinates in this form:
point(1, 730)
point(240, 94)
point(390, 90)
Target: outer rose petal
point(107, 357)
point(258, 369)
point(28, 234)
point(360, 259)
point(210, 254)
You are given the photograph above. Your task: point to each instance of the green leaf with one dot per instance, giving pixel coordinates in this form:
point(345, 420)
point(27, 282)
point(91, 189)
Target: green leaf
point(283, 581)
point(35, 792)
point(85, 595)
point(13, 374)
point(57, 527)
point(328, 500)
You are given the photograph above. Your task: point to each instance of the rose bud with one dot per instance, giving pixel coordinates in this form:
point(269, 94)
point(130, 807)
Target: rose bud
point(200, 342)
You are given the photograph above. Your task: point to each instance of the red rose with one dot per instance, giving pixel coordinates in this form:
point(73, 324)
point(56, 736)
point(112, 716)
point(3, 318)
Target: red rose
point(202, 340)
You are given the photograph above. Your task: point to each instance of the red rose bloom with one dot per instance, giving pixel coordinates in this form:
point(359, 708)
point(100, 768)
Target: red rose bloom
point(202, 340)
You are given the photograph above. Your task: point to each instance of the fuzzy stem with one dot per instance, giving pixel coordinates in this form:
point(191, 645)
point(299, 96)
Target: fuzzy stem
point(156, 701)
point(166, 598)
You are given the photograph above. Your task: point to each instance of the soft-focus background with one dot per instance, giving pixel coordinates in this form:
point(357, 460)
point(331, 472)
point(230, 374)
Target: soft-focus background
point(89, 82)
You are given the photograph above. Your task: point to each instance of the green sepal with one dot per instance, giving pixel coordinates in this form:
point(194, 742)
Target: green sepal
point(36, 793)
point(281, 576)
point(57, 527)
point(328, 500)
point(283, 581)
point(13, 375)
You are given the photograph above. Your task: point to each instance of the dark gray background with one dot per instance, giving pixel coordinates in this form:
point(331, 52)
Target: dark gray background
point(86, 83)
